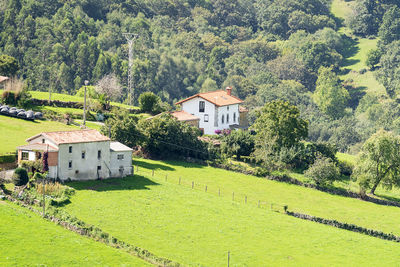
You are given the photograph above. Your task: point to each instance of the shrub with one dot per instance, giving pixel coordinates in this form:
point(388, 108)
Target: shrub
point(20, 177)
point(345, 168)
point(239, 143)
point(149, 102)
point(324, 171)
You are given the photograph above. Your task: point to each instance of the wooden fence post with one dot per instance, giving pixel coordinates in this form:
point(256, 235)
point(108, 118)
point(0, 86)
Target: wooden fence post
point(152, 173)
point(206, 188)
point(233, 196)
point(245, 199)
point(179, 180)
point(192, 185)
point(229, 256)
point(258, 204)
point(219, 192)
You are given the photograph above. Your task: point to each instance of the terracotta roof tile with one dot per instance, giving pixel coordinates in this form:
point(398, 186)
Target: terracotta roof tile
point(70, 137)
point(219, 98)
point(184, 116)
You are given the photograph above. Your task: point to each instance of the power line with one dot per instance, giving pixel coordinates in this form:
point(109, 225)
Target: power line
point(130, 37)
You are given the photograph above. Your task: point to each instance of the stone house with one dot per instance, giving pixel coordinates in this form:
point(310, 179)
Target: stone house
point(79, 155)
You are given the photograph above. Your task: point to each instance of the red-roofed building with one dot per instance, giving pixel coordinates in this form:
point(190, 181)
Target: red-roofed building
point(79, 155)
point(217, 110)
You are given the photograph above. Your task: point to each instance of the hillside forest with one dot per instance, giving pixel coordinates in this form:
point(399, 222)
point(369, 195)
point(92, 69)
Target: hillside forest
point(292, 50)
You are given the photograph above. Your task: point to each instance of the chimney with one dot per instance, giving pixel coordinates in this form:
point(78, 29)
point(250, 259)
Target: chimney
point(229, 90)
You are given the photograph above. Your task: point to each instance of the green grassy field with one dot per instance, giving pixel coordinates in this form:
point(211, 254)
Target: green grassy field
point(29, 240)
point(198, 228)
point(69, 98)
point(300, 199)
point(15, 131)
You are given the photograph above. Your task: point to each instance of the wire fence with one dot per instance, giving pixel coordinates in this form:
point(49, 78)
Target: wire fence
point(214, 190)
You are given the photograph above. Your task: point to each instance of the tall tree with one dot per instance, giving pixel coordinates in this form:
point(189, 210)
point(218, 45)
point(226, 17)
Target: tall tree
point(330, 95)
point(379, 162)
point(278, 126)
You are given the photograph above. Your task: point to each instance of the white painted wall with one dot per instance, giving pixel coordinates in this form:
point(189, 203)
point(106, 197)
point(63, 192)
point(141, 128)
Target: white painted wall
point(84, 169)
point(214, 114)
point(32, 155)
point(52, 172)
point(125, 163)
point(39, 140)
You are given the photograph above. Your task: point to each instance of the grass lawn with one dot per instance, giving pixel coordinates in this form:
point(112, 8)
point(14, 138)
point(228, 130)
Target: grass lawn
point(198, 228)
point(29, 240)
point(15, 131)
point(301, 199)
point(69, 98)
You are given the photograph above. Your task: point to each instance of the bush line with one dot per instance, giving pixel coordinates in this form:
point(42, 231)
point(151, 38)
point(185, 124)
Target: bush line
point(346, 226)
point(95, 233)
point(287, 179)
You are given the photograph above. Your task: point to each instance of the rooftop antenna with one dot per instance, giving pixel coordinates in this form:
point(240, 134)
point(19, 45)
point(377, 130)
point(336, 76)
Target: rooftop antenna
point(130, 38)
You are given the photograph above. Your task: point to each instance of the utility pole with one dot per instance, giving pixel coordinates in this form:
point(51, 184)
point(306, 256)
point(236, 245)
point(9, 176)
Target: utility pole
point(130, 37)
point(84, 105)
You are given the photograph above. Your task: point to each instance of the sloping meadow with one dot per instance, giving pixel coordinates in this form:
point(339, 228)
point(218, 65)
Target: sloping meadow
point(199, 226)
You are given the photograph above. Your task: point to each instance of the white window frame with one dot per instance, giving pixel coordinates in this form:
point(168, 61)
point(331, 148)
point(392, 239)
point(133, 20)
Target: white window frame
point(206, 118)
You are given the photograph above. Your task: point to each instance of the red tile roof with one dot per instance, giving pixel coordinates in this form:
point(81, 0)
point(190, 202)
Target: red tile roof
point(184, 116)
point(70, 137)
point(219, 98)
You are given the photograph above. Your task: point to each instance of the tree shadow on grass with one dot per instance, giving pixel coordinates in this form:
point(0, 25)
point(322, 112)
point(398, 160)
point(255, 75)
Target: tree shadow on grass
point(151, 166)
point(390, 198)
point(356, 93)
point(165, 165)
point(136, 182)
point(351, 49)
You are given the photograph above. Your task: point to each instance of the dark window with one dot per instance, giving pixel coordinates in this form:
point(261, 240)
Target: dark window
point(83, 154)
point(223, 119)
point(234, 117)
point(99, 154)
point(205, 117)
point(70, 164)
point(70, 149)
point(202, 106)
point(25, 155)
point(227, 118)
point(120, 156)
point(227, 108)
point(99, 168)
point(43, 141)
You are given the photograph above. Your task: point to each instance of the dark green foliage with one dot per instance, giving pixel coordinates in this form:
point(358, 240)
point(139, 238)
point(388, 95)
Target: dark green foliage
point(8, 66)
point(278, 127)
point(323, 171)
point(149, 102)
point(373, 58)
point(123, 128)
point(20, 177)
point(166, 137)
point(389, 74)
point(16, 98)
point(238, 143)
point(390, 28)
point(366, 17)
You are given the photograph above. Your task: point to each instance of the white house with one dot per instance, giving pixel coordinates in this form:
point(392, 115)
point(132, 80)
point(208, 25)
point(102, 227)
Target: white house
point(217, 110)
point(79, 155)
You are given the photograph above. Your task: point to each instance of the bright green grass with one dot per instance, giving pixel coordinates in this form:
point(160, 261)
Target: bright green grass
point(341, 8)
point(198, 228)
point(28, 240)
point(59, 110)
point(346, 158)
point(301, 199)
point(68, 98)
point(14, 132)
